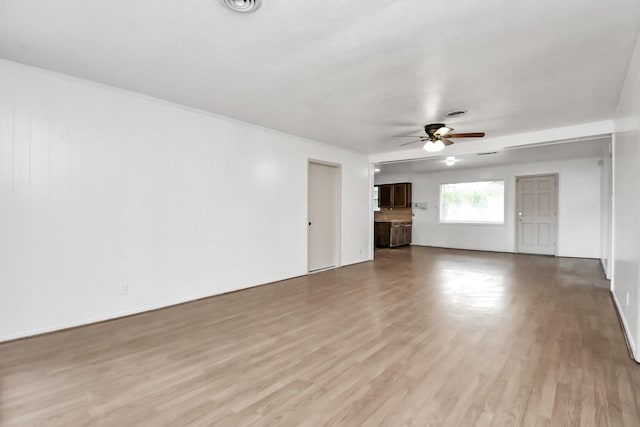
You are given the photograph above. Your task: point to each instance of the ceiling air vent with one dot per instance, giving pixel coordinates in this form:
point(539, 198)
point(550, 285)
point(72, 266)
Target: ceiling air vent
point(242, 6)
point(488, 153)
point(456, 113)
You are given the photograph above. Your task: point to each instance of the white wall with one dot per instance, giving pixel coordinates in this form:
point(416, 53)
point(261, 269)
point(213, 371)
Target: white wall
point(578, 207)
point(626, 205)
point(100, 186)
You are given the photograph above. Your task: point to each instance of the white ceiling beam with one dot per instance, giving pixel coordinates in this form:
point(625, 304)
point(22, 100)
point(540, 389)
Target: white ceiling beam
point(562, 134)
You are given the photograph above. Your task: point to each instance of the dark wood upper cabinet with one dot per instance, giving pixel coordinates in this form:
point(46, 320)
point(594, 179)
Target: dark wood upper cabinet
point(400, 195)
point(394, 195)
point(385, 196)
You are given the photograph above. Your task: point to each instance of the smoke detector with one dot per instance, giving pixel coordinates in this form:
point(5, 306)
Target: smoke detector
point(455, 113)
point(242, 6)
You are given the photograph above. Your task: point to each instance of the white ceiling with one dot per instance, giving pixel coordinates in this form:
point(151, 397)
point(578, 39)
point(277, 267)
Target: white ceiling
point(348, 73)
point(543, 153)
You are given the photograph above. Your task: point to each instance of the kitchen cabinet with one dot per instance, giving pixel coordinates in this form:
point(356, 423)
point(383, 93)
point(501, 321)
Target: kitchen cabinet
point(394, 195)
point(385, 196)
point(390, 234)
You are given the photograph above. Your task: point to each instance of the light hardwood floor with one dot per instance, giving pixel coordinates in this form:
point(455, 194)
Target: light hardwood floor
point(421, 336)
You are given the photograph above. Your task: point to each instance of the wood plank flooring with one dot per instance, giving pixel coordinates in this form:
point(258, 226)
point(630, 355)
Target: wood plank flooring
point(419, 337)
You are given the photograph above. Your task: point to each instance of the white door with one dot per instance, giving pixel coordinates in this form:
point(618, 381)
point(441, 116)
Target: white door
point(536, 215)
point(323, 235)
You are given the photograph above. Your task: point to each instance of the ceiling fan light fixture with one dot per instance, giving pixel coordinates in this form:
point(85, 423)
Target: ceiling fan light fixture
point(433, 146)
point(443, 131)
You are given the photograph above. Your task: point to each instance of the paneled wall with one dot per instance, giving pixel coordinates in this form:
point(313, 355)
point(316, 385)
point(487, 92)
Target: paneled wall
point(626, 205)
point(102, 190)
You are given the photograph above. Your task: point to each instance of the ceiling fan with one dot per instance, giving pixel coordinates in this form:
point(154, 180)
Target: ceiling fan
point(438, 136)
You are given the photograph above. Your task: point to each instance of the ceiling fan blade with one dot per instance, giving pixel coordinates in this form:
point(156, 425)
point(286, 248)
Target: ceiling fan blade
point(447, 141)
point(466, 135)
point(443, 131)
point(417, 140)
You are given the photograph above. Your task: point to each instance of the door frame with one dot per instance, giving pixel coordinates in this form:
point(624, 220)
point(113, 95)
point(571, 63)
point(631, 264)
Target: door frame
point(515, 211)
point(372, 215)
point(338, 237)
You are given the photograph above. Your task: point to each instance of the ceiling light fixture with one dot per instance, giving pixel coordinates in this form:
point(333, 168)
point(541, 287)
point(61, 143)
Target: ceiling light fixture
point(242, 6)
point(376, 170)
point(450, 161)
point(433, 146)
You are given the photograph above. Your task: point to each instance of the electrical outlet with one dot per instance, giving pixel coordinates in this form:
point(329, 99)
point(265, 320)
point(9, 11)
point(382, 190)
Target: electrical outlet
point(124, 288)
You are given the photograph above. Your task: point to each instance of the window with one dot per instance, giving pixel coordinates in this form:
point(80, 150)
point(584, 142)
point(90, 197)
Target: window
point(476, 202)
point(376, 203)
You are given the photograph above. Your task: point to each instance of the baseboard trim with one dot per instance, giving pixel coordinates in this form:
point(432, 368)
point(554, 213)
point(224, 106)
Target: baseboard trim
point(502, 252)
point(628, 339)
point(462, 249)
point(604, 269)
